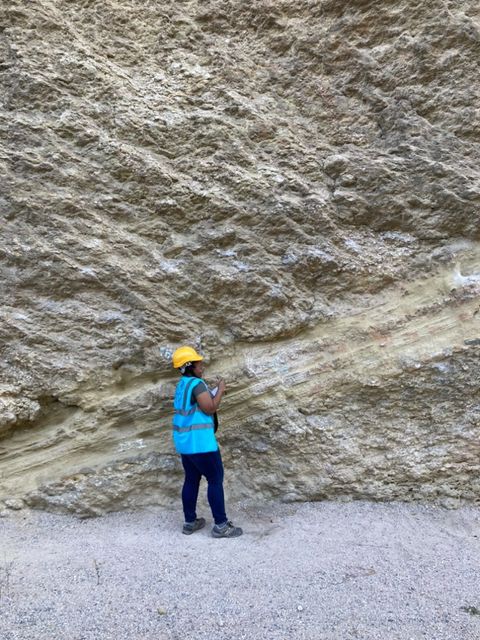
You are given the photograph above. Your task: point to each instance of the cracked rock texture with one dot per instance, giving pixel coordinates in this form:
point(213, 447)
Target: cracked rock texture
point(293, 187)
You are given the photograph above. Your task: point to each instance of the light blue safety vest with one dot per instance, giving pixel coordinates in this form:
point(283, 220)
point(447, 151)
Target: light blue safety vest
point(193, 430)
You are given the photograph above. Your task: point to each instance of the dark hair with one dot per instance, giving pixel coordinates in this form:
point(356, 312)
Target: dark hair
point(189, 371)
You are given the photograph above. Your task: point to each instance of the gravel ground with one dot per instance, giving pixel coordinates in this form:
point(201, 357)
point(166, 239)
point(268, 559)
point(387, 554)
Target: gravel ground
point(311, 571)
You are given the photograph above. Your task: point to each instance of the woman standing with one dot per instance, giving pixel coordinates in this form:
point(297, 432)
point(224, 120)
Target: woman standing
point(194, 439)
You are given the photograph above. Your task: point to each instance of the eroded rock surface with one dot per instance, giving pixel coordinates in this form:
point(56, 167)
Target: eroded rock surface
point(292, 187)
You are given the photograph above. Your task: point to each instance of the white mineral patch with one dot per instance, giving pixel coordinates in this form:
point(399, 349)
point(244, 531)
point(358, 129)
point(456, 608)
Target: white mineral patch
point(241, 266)
point(353, 245)
point(399, 237)
point(460, 280)
point(170, 266)
point(166, 353)
point(131, 444)
point(88, 271)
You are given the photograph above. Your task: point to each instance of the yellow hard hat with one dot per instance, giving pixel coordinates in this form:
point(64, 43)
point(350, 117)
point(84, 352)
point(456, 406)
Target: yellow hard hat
point(182, 355)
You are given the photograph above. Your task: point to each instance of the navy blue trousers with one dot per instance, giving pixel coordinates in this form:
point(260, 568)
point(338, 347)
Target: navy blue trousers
point(209, 465)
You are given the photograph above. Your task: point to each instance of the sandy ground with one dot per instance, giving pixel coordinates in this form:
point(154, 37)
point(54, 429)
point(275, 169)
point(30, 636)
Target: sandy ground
point(311, 571)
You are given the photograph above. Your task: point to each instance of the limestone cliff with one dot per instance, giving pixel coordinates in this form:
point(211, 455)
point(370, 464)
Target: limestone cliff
point(293, 187)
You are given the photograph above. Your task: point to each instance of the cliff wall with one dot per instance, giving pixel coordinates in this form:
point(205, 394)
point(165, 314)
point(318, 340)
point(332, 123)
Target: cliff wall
point(293, 187)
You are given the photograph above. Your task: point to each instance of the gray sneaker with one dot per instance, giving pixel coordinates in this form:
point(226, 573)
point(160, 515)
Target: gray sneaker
point(227, 530)
point(191, 527)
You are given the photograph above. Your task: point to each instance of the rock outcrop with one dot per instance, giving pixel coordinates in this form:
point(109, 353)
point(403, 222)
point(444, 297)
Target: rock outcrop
point(293, 187)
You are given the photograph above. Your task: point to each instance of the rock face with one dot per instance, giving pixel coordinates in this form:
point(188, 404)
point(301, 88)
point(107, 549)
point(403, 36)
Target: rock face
point(294, 188)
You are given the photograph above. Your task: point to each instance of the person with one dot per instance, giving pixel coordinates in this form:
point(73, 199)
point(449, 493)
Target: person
point(194, 439)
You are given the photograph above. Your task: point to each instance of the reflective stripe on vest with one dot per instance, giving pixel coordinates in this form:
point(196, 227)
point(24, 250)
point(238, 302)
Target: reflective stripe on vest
point(192, 427)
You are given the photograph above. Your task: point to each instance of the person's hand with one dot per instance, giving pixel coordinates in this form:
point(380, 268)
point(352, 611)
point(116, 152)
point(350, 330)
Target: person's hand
point(221, 385)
